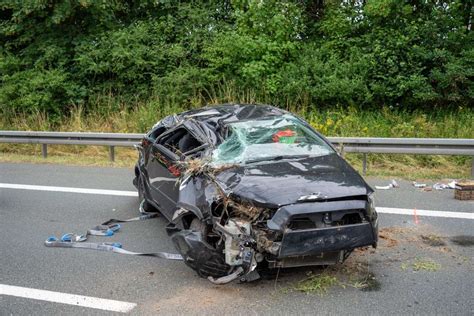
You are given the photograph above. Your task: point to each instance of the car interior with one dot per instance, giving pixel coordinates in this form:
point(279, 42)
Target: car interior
point(180, 142)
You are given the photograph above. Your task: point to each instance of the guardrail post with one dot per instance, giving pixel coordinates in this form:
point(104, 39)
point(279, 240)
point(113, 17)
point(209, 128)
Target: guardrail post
point(364, 164)
point(44, 150)
point(472, 168)
point(112, 153)
point(341, 150)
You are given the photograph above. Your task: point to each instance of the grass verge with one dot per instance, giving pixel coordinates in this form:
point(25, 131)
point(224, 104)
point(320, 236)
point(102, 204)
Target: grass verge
point(96, 157)
point(111, 115)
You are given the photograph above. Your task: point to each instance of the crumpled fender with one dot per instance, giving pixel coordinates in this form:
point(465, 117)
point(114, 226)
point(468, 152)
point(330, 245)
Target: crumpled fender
point(200, 256)
point(196, 196)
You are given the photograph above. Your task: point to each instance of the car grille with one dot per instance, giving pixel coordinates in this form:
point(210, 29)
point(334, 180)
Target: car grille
point(326, 219)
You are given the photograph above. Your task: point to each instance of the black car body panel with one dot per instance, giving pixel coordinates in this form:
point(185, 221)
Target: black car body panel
point(280, 183)
point(315, 241)
point(227, 219)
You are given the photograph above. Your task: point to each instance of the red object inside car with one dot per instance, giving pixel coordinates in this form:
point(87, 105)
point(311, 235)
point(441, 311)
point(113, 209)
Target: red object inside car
point(286, 133)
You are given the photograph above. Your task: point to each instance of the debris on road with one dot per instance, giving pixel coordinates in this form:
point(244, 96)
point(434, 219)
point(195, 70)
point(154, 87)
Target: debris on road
point(393, 184)
point(369, 284)
point(317, 283)
point(438, 186)
point(419, 185)
point(426, 265)
point(443, 186)
point(433, 240)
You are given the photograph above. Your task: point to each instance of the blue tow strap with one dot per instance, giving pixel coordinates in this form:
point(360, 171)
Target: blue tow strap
point(108, 228)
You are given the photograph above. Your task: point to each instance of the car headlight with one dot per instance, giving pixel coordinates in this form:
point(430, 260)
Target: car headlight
point(372, 212)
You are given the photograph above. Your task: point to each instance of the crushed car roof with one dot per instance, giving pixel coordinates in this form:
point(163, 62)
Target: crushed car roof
point(227, 113)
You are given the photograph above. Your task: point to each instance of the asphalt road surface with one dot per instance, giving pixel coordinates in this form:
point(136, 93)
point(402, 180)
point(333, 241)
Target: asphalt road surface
point(406, 274)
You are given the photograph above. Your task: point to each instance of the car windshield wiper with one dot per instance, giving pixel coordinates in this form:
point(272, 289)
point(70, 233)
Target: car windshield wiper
point(273, 158)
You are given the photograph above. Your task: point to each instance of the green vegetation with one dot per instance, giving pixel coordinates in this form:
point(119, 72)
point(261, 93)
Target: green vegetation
point(317, 283)
point(421, 265)
point(367, 283)
point(385, 68)
point(58, 54)
point(426, 265)
point(351, 275)
point(334, 122)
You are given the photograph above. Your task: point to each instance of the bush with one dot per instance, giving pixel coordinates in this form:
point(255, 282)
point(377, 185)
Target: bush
point(371, 54)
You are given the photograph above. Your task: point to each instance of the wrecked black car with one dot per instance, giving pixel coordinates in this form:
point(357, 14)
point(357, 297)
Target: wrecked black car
point(250, 187)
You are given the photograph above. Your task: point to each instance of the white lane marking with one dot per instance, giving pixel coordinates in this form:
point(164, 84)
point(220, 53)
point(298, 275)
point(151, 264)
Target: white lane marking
point(386, 210)
point(67, 189)
point(404, 211)
point(64, 298)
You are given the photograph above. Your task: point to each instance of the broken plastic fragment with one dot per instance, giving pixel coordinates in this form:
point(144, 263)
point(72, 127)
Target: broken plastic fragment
point(440, 186)
point(228, 278)
point(393, 184)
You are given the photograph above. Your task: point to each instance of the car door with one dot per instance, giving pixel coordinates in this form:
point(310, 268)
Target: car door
point(163, 167)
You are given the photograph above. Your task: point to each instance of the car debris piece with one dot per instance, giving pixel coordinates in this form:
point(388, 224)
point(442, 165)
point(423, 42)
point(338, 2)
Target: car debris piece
point(440, 186)
point(419, 185)
point(452, 184)
point(249, 187)
point(393, 184)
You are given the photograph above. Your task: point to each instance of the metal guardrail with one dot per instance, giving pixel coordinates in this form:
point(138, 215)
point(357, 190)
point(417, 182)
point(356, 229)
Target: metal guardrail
point(71, 138)
point(364, 145)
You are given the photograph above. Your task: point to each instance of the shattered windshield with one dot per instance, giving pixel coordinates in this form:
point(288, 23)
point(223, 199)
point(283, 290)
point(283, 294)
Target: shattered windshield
point(269, 139)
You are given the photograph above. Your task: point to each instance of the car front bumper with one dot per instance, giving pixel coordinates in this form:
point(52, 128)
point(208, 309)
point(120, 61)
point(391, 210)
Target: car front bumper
point(315, 241)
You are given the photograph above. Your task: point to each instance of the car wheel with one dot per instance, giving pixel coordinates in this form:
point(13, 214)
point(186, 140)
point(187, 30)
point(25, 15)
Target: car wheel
point(206, 261)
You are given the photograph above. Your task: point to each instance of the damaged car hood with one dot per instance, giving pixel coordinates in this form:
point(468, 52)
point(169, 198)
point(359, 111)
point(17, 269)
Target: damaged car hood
point(276, 183)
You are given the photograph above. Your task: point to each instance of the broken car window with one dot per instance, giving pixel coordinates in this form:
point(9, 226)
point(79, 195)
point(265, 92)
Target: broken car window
point(180, 141)
point(283, 137)
point(156, 132)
